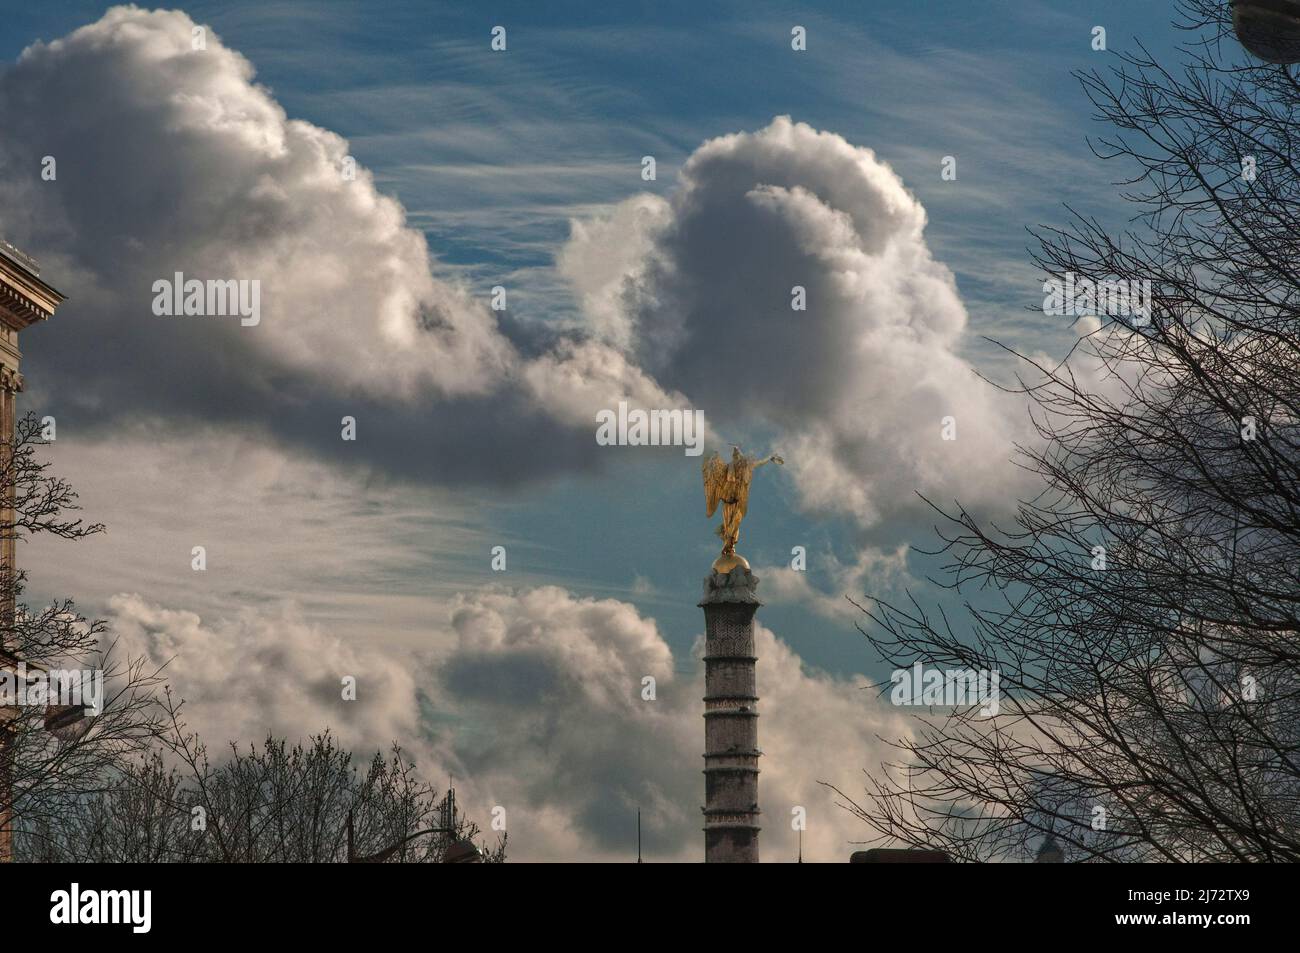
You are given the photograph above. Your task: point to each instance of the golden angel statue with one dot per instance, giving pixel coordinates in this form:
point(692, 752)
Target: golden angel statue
point(728, 484)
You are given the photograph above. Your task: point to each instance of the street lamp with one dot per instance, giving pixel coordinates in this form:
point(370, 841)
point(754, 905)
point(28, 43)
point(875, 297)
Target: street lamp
point(1270, 29)
point(462, 851)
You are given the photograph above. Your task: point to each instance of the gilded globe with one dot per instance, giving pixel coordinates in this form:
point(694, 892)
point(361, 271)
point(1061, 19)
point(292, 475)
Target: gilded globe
point(729, 561)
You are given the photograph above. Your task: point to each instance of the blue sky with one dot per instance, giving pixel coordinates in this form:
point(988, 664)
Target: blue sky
point(493, 158)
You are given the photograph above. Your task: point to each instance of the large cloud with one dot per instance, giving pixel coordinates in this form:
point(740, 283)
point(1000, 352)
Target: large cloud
point(171, 159)
point(535, 704)
point(858, 384)
point(550, 686)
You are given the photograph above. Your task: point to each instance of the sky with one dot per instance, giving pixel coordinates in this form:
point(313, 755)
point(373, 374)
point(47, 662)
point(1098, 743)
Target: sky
point(525, 169)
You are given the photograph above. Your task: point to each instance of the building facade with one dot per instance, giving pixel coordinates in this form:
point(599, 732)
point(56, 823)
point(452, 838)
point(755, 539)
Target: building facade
point(24, 300)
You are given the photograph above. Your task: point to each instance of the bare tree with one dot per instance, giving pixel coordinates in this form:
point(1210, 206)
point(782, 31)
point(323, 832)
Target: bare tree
point(279, 803)
point(131, 784)
point(49, 751)
point(1143, 608)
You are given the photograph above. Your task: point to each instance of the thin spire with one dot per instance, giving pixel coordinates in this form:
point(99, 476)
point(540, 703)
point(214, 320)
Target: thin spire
point(638, 835)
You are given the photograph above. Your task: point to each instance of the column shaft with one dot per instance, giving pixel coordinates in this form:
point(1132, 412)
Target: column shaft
point(731, 753)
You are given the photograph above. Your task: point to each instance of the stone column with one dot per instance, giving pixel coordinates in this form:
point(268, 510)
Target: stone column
point(730, 718)
point(11, 383)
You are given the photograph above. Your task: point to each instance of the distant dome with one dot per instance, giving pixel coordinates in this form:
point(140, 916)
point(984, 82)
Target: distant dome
point(1270, 29)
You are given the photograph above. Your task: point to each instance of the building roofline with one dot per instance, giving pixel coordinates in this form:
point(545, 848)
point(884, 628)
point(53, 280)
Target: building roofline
point(23, 295)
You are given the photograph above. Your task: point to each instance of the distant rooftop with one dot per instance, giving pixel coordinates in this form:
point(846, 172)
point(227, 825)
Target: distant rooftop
point(19, 257)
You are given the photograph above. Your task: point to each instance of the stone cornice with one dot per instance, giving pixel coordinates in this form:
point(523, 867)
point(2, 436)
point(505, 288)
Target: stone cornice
point(24, 298)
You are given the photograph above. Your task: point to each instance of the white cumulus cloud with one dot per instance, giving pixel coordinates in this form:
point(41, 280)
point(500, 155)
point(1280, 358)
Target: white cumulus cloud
point(172, 159)
point(550, 687)
point(535, 704)
point(858, 384)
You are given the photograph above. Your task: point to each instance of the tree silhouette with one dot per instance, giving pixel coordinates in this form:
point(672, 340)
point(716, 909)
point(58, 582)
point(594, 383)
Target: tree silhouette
point(1150, 708)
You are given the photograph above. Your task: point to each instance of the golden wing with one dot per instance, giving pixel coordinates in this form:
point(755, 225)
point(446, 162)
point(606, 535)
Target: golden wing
point(715, 477)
